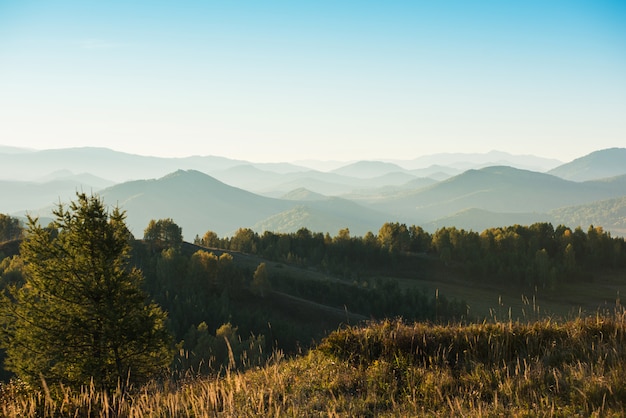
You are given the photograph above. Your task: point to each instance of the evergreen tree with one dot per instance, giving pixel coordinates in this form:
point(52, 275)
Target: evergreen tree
point(81, 313)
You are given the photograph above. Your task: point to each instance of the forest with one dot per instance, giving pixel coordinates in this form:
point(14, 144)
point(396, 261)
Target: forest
point(226, 304)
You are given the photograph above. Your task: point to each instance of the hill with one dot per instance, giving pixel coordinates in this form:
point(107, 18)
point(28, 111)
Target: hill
point(29, 196)
point(599, 164)
point(303, 194)
point(251, 177)
point(479, 219)
point(496, 189)
point(101, 162)
point(609, 213)
point(465, 161)
point(368, 169)
point(327, 215)
point(389, 368)
point(196, 201)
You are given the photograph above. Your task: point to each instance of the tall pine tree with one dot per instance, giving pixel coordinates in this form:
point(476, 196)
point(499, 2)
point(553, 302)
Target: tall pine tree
point(81, 314)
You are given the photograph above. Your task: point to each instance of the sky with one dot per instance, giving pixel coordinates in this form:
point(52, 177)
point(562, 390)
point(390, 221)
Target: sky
point(327, 80)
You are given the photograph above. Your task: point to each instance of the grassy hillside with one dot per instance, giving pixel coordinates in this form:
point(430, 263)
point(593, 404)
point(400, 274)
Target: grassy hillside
point(544, 368)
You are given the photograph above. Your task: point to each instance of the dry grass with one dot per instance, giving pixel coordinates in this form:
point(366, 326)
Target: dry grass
point(544, 368)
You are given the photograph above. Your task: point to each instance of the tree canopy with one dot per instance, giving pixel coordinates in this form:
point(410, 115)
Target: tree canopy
point(81, 313)
point(163, 232)
point(10, 228)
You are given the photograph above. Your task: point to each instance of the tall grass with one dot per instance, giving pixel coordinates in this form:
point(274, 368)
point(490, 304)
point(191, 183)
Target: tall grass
point(389, 368)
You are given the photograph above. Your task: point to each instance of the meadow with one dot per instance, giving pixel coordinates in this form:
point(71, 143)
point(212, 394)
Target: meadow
point(386, 368)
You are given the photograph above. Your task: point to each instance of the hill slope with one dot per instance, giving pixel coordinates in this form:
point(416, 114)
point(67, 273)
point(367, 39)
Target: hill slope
point(101, 162)
point(325, 215)
point(599, 164)
point(368, 169)
point(496, 189)
point(197, 202)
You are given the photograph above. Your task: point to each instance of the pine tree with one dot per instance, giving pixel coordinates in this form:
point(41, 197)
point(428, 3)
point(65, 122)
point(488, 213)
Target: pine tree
point(81, 314)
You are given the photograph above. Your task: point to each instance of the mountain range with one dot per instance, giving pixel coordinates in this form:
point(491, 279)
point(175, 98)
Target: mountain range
point(222, 195)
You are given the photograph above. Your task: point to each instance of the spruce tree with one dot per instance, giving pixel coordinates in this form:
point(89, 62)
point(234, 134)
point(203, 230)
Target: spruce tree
point(81, 314)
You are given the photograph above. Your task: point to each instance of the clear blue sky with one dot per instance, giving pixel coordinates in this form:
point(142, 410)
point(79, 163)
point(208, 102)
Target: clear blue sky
point(289, 80)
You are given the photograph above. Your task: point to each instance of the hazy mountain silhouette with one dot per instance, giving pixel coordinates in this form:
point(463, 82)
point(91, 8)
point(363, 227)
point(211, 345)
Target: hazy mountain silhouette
point(599, 164)
point(84, 178)
point(437, 172)
point(479, 219)
point(368, 169)
point(497, 189)
point(28, 196)
point(382, 192)
point(327, 215)
point(303, 195)
point(466, 161)
point(209, 192)
point(328, 184)
point(197, 202)
point(101, 162)
point(14, 150)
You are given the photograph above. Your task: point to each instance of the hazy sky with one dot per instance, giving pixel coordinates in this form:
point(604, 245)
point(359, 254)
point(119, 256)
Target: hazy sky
point(289, 80)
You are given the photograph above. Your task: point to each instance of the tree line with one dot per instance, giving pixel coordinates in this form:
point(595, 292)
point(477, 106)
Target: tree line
point(535, 255)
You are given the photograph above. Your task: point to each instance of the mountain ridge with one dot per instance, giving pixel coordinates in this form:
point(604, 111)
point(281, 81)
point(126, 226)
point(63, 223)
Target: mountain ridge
point(200, 201)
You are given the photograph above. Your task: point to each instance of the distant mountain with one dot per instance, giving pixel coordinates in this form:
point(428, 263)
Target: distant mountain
point(101, 162)
point(324, 187)
point(95, 182)
point(250, 177)
point(419, 183)
point(14, 150)
point(437, 172)
point(599, 164)
point(324, 165)
point(328, 215)
point(328, 184)
point(466, 161)
point(303, 195)
point(281, 168)
point(26, 196)
point(496, 189)
point(609, 213)
point(196, 201)
point(368, 169)
point(374, 194)
point(222, 195)
point(479, 219)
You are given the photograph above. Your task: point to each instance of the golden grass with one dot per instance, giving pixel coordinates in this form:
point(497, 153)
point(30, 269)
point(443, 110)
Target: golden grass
point(543, 368)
